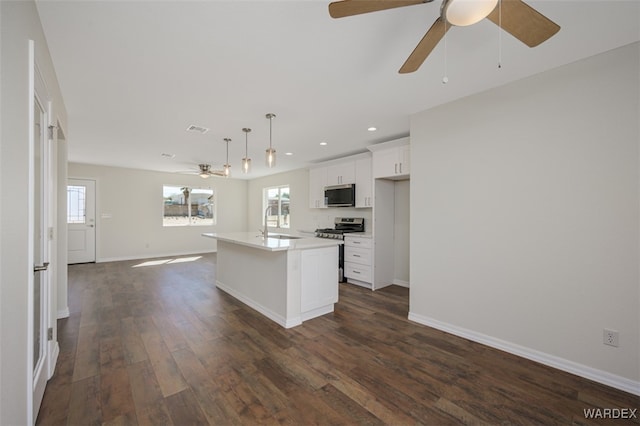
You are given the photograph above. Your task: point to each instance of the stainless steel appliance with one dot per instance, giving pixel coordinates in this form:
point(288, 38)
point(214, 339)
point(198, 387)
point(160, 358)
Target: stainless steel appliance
point(340, 195)
point(342, 225)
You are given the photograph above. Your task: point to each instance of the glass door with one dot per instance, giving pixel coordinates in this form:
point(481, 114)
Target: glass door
point(39, 292)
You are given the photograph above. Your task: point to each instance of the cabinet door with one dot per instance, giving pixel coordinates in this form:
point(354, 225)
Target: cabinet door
point(385, 163)
point(392, 162)
point(319, 284)
point(364, 183)
point(339, 174)
point(317, 182)
point(405, 159)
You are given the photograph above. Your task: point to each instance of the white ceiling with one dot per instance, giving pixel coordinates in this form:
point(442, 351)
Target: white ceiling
point(135, 74)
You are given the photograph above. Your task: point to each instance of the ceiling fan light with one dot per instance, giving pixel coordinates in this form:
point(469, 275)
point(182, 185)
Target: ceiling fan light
point(466, 12)
point(204, 175)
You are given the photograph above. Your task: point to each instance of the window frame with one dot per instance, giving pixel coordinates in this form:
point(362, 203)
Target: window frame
point(190, 220)
point(279, 216)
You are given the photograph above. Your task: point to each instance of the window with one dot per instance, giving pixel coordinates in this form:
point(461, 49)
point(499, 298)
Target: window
point(76, 204)
point(185, 206)
point(277, 200)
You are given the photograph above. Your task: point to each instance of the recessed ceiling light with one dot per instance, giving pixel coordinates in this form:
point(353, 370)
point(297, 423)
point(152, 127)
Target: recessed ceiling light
point(288, 153)
point(323, 143)
point(372, 129)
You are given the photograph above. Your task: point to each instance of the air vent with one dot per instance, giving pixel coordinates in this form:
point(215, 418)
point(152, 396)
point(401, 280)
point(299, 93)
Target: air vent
point(197, 129)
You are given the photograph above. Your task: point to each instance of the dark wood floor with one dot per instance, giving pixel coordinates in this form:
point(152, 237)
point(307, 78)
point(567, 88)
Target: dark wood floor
point(159, 344)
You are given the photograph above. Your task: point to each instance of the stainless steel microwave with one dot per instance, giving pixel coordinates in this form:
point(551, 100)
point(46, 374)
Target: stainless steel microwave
point(340, 195)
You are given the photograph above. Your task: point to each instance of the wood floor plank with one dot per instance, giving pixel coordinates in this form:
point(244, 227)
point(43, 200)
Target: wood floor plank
point(184, 409)
point(145, 390)
point(116, 397)
point(171, 334)
point(167, 373)
point(132, 344)
point(160, 345)
point(85, 402)
point(87, 353)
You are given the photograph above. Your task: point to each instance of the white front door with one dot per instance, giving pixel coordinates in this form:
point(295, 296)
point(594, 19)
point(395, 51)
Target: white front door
point(81, 220)
point(37, 352)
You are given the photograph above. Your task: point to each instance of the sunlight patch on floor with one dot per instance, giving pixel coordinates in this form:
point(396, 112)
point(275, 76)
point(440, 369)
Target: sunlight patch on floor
point(167, 261)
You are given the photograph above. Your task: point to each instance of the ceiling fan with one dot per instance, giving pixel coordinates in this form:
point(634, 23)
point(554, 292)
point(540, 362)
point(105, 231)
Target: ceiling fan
point(204, 171)
point(514, 16)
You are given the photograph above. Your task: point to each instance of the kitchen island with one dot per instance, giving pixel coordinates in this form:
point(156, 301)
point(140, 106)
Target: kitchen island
point(288, 279)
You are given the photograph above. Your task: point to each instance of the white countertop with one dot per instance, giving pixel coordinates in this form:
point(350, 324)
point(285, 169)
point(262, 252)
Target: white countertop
point(255, 240)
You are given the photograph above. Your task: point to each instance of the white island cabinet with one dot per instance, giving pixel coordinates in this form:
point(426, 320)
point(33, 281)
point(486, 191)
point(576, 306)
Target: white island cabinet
point(287, 280)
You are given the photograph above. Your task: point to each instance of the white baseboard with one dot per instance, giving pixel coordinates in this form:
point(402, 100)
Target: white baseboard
point(277, 318)
point(581, 370)
point(323, 310)
point(53, 361)
point(401, 283)
point(63, 313)
point(151, 256)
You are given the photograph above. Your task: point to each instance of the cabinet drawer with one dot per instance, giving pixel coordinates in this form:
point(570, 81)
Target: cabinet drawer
point(357, 242)
point(357, 255)
point(357, 272)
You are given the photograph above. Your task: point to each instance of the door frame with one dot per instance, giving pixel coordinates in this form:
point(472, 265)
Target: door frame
point(94, 225)
point(35, 391)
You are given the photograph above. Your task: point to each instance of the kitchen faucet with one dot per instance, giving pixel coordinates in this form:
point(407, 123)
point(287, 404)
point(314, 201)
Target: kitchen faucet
point(265, 233)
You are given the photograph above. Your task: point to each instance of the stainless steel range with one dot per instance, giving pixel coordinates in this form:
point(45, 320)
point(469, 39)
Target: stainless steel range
point(343, 225)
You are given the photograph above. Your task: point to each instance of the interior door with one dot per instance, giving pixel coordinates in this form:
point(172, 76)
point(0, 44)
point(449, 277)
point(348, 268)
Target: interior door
point(81, 220)
point(39, 293)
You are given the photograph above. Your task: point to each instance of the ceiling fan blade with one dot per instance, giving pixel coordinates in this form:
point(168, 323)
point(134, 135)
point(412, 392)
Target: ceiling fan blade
point(426, 45)
point(523, 22)
point(340, 9)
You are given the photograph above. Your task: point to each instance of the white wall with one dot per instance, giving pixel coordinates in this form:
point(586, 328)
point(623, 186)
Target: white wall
point(401, 232)
point(133, 198)
point(302, 217)
point(62, 290)
point(525, 216)
point(19, 23)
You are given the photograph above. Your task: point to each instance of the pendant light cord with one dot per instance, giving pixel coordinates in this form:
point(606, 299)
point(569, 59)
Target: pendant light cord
point(499, 33)
point(445, 78)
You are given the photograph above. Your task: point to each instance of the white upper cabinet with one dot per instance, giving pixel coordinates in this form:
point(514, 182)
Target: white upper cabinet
point(355, 169)
point(364, 183)
point(391, 162)
point(317, 182)
point(338, 174)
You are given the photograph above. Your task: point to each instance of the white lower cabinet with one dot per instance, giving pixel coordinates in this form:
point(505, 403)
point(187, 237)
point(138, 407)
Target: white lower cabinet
point(314, 293)
point(358, 260)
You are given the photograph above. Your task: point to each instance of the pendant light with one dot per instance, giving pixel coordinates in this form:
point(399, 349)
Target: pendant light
point(246, 161)
point(227, 166)
point(271, 153)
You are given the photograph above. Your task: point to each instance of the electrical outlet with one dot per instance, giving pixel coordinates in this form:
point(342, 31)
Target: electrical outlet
point(610, 337)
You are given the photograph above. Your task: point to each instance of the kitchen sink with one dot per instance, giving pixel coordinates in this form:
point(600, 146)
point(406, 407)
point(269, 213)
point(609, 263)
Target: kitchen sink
point(284, 237)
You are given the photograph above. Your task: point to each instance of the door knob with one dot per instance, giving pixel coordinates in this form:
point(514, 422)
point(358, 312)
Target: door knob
point(90, 226)
point(41, 268)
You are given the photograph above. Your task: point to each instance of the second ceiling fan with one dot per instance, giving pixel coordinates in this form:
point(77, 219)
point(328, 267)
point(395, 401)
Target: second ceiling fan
point(514, 16)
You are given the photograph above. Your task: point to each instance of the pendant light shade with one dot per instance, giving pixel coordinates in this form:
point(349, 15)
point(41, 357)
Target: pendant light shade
point(246, 161)
point(270, 157)
point(227, 167)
